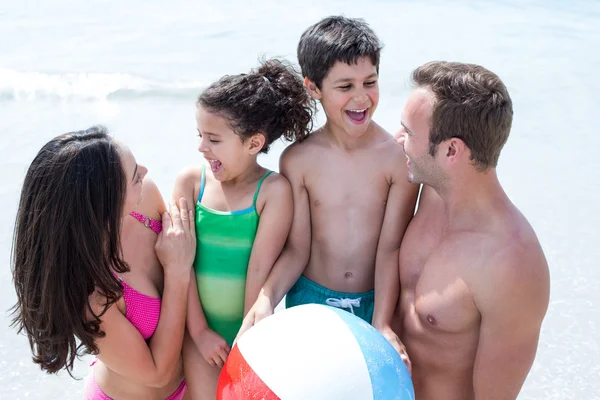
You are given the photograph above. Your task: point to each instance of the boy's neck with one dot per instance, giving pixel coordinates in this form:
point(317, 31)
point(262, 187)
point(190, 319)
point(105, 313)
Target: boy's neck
point(339, 138)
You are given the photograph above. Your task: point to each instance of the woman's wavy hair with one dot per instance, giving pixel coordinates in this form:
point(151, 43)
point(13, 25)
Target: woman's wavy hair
point(66, 245)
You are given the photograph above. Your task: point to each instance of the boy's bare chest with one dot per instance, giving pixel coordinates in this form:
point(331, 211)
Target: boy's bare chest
point(337, 187)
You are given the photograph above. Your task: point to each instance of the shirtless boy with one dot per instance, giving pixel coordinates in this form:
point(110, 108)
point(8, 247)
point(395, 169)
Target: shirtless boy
point(474, 279)
point(352, 201)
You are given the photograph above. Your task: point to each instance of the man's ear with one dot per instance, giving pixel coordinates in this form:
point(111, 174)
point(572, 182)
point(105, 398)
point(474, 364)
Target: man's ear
point(455, 149)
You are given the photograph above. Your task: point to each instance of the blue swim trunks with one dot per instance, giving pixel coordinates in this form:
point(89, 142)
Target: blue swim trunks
point(306, 291)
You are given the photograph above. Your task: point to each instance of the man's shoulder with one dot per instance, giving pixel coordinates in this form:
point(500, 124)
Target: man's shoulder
point(513, 263)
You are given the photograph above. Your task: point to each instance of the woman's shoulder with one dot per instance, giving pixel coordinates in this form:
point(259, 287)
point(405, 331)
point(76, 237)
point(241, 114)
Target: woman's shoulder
point(152, 204)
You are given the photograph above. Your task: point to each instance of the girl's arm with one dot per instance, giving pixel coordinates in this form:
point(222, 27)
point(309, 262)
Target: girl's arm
point(275, 207)
point(211, 346)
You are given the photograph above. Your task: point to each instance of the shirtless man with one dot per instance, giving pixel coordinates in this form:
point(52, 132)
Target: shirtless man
point(474, 279)
point(352, 201)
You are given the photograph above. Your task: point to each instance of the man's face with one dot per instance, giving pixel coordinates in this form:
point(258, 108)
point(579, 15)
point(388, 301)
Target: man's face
point(414, 137)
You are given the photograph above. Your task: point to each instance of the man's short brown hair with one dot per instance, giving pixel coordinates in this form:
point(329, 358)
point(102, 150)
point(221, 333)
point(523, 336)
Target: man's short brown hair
point(472, 104)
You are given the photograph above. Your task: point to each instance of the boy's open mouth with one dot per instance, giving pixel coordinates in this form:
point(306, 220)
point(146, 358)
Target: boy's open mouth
point(357, 116)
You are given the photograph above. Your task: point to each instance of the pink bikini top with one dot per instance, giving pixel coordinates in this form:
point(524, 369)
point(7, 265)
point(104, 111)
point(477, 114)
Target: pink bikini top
point(143, 311)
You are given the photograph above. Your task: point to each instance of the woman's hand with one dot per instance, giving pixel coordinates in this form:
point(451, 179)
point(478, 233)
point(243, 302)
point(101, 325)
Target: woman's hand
point(176, 244)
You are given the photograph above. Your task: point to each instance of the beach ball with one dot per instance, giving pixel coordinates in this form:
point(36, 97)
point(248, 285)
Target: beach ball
point(314, 352)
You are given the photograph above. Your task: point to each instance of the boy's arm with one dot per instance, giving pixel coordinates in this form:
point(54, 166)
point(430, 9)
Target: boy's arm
point(275, 221)
point(296, 252)
point(400, 206)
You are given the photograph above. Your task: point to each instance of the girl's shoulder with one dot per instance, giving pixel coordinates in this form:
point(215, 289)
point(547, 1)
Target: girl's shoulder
point(190, 174)
point(276, 188)
point(187, 183)
point(274, 181)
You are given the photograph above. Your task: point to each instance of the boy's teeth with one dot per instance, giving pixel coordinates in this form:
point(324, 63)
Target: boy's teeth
point(357, 115)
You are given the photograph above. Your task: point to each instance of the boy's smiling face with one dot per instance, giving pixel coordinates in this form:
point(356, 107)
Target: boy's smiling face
point(349, 95)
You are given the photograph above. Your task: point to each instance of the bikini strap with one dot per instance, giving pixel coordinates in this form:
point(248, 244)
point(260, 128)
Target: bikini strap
point(148, 222)
point(258, 187)
point(202, 183)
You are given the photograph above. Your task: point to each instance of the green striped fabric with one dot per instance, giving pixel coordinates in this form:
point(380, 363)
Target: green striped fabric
point(224, 244)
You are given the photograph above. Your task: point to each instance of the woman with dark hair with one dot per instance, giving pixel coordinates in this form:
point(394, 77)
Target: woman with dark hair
point(96, 271)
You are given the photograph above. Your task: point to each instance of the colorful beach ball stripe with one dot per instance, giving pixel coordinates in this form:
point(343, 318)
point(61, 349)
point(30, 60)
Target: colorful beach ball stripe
point(314, 352)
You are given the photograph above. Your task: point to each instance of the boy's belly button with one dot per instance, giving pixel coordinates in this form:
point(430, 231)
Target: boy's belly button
point(348, 274)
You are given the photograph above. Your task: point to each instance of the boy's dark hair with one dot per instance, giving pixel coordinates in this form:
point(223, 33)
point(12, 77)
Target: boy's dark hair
point(472, 104)
point(271, 100)
point(335, 39)
point(67, 245)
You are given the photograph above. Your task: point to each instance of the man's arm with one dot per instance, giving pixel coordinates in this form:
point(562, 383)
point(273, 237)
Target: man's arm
point(512, 297)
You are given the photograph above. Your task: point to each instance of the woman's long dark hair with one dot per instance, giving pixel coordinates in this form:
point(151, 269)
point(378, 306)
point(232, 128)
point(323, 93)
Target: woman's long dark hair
point(66, 245)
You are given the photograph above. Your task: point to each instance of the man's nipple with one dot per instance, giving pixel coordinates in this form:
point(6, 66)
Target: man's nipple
point(431, 320)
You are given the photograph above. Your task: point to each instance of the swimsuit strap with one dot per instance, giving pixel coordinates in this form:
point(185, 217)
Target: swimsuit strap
point(202, 183)
point(148, 222)
point(258, 188)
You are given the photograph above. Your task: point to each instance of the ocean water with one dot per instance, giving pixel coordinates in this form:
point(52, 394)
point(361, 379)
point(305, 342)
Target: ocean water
point(138, 66)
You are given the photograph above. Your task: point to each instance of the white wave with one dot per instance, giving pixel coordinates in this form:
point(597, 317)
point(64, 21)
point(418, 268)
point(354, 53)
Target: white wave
point(30, 86)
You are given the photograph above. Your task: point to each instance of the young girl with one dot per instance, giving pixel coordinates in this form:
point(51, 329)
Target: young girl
point(243, 211)
point(86, 273)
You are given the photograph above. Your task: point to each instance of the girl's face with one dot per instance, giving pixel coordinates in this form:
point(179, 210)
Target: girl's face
point(134, 174)
point(226, 152)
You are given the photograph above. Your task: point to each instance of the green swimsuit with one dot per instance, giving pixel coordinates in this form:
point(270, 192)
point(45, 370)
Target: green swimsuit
point(224, 244)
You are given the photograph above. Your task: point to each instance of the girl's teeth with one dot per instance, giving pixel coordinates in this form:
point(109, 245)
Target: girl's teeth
point(214, 164)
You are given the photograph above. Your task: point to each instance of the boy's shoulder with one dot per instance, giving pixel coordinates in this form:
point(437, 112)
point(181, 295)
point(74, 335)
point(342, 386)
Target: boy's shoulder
point(385, 143)
point(299, 152)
